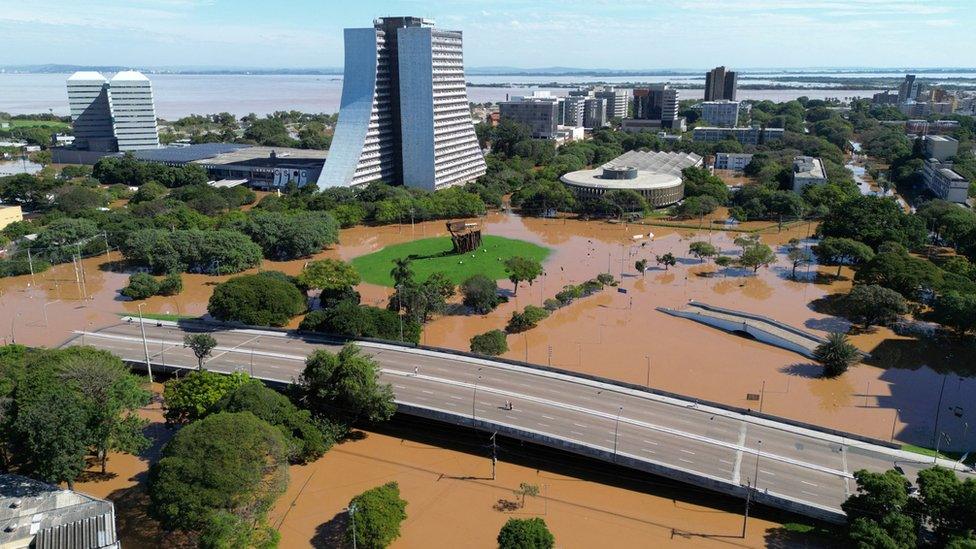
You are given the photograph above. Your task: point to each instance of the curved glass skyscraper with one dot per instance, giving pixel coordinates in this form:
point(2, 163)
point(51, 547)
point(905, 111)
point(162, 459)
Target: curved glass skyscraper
point(404, 116)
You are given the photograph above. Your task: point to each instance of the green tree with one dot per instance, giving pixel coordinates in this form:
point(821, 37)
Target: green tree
point(641, 266)
point(957, 311)
point(225, 530)
point(402, 271)
point(702, 250)
point(141, 286)
point(171, 284)
point(492, 343)
point(224, 462)
point(526, 489)
point(260, 299)
point(841, 252)
point(874, 221)
point(480, 294)
point(306, 441)
point(837, 354)
point(668, 260)
point(530, 533)
point(112, 396)
point(521, 269)
point(377, 514)
point(757, 255)
point(345, 386)
point(148, 192)
point(328, 275)
point(871, 304)
point(876, 513)
point(190, 398)
point(201, 345)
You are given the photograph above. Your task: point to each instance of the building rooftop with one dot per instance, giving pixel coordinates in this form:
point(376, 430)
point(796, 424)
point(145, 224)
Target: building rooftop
point(808, 166)
point(46, 516)
point(942, 138)
point(188, 154)
point(87, 75)
point(660, 162)
point(130, 76)
point(227, 154)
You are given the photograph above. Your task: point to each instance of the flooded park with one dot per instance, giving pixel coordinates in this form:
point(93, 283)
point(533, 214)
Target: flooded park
point(617, 334)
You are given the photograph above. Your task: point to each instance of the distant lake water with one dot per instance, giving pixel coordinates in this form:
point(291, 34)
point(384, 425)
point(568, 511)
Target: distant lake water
point(178, 95)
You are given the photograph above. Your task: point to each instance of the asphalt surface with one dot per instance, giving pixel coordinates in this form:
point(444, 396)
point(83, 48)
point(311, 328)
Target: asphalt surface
point(799, 464)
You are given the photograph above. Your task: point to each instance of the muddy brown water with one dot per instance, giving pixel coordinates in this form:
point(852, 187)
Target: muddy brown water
point(612, 334)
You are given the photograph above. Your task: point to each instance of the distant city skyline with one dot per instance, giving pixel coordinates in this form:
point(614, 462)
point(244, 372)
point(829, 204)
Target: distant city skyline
point(618, 35)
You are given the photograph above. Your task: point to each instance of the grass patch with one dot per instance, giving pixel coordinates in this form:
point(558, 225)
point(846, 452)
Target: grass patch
point(953, 456)
point(160, 316)
point(37, 124)
point(431, 255)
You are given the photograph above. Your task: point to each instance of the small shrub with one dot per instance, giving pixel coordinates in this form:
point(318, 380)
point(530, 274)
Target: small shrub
point(171, 284)
point(141, 286)
point(552, 304)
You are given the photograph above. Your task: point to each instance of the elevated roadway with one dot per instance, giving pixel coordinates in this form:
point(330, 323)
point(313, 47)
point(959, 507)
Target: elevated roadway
point(782, 464)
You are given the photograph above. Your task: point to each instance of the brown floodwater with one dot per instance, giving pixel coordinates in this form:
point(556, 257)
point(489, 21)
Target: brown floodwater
point(612, 334)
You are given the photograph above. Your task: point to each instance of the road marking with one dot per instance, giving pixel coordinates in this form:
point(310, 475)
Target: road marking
point(686, 460)
point(810, 483)
point(576, 433)
point(547, 417)
point(455, 397)
point(768, 473)
point(451, 404)
point(510, 417)
point(847, 481)
point(400, 386)
point(651, 442)
point(808, 493)
point(725, 461)
point(542, 424)
point(686, 451)
point(737, 468)
point(579, 425)
point(648, 451)
point(426, 392)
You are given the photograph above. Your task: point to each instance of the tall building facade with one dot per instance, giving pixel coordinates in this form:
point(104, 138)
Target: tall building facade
point(618, 101)
point(657, 102)
point(721, 84)
point(594, 112)
point(404, 116)
point(112, 115)
point(573, 107)
point(91, 115)
point(133, 111)
point(908, 90)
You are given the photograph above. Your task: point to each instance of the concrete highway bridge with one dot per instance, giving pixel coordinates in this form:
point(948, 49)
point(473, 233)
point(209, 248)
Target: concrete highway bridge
point(779, 463)
point(759, 327)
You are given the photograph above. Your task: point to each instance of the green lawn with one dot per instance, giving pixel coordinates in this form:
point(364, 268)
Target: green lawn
point(954, 456)
point(431, 255)
point(37, 124)
point(160, 316)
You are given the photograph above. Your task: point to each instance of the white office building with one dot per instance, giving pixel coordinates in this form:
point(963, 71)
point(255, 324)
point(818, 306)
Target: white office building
point(91, 115)
point(116, 115)
point(807, 171)
point(573, 107)
point(736, 162)
point(133, 111)
point(944, 182)
point(618, 101)
point(940, 147)
point(722, 114)
point(404, 116)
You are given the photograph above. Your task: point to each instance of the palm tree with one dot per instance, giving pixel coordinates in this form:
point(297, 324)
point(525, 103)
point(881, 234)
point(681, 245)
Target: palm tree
point(836, 354)
point(401, 273)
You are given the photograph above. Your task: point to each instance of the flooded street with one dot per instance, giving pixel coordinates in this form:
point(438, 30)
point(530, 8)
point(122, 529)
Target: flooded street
point(611, 334)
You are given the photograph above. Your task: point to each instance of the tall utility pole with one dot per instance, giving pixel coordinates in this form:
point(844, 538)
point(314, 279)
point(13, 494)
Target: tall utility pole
point(30, 261)
point(145, 344)
point(494, 455)
point(616, 429)
point(754, 485)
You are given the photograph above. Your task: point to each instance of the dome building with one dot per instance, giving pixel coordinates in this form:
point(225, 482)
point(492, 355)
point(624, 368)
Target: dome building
point(654, 175)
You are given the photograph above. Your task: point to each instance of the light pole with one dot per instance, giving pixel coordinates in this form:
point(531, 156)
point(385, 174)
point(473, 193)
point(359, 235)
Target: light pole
point(474, 398)
point(145, 344)
point(550, 356)
point(750, 488)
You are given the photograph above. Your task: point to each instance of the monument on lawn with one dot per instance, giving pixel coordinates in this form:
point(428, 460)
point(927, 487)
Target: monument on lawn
point(466, 236)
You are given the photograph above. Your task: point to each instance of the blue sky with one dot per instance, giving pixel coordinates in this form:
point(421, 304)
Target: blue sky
point(616, 34)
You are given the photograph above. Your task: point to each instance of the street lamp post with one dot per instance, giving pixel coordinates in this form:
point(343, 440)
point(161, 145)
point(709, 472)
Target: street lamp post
point(352, 517)
point(938, 445)
point(750, 487)
point(474, 398)
point(647, 383)
point(145, 344)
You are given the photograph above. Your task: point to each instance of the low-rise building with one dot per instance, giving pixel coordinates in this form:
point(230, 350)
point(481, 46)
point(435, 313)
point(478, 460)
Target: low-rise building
point(807, 171)
point(724, 113)
point(736, 162)
point(36, 514)
point(747, 136)
point(940, 147)
point(944, 182)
